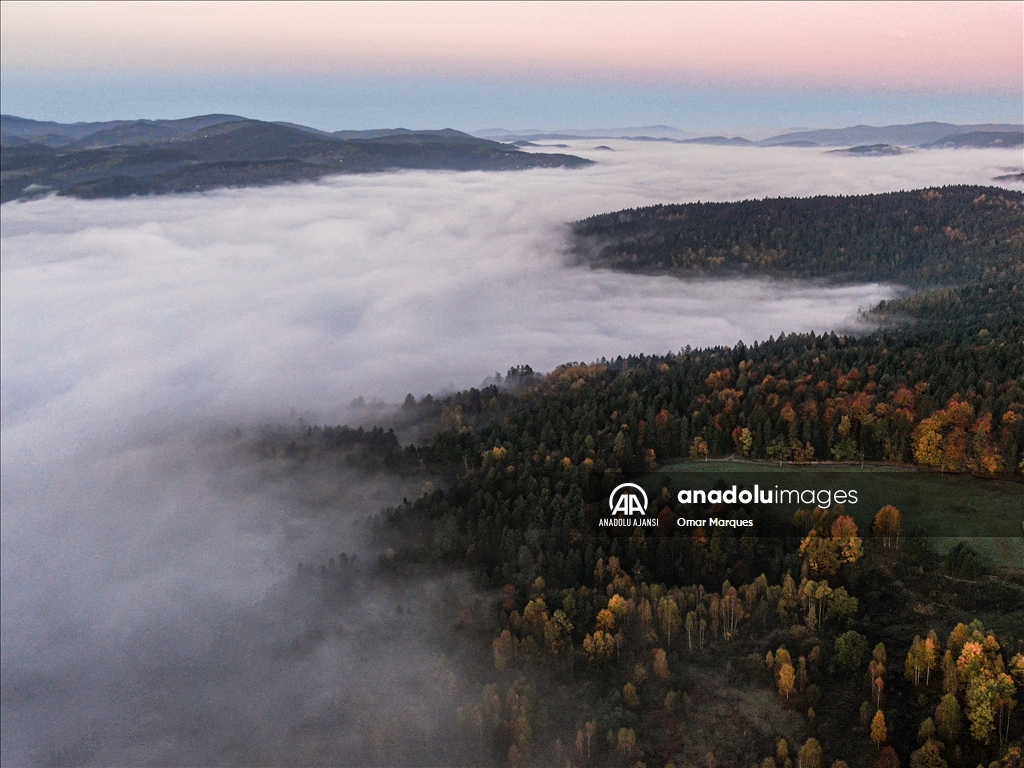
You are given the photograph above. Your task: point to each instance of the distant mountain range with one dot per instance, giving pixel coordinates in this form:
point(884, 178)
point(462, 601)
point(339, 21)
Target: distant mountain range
point(137, 157)
point(930, 135)
point(640, 132)
point(20, 130)
point(134, 157)
point(913, 135)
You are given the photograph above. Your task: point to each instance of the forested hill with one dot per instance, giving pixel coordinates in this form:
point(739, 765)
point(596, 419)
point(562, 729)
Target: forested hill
point(618, 646)
point(160, 157)
point(942, 236)
point(616, 650)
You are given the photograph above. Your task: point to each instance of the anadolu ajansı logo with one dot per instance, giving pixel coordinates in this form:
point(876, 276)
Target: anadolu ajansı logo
point(628, 499)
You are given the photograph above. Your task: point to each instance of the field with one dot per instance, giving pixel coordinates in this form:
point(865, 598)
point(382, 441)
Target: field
point(947, 508)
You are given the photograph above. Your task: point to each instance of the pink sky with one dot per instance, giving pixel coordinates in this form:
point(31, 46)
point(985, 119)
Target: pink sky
point(942, 47)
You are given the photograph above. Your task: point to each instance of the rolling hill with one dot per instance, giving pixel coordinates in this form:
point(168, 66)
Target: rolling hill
point(92, 160)
point(944, 236)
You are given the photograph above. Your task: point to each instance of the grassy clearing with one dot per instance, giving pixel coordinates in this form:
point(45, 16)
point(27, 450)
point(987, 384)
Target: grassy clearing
point(989, 514)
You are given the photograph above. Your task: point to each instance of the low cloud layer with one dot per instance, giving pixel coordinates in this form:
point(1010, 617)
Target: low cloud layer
point(136, 538)
point(250, 304)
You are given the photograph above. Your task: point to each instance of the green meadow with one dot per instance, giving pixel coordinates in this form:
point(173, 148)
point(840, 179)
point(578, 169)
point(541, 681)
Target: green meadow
point(947, 508)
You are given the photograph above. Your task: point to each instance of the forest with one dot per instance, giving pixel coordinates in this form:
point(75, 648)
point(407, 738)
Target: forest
point(814, 643)
point(810, 644)
point(931, 237)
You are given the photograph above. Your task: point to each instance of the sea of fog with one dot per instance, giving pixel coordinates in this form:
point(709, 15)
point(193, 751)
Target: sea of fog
point(141, 552)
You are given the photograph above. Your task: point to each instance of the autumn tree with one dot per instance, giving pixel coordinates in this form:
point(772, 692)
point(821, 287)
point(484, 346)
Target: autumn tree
point(980, 699)
point(879, 655)
point(820, 555)
point(787, 679)
point(1017, 669)
point(887, 524)
point(668, 617)
point(989, 691)
point(879, 733)
point(691, 627)
point(928, 756)
point(699, 449)
point(913, 668)
point(782, 758)
point(941, 440)
point(810, 754)
point(926, 731)
point(787, 598)
point(599, 647)
point(619, 608)
point(1004, 703)
point(536, 612)
point(876, 672)
point(557, 633)
point(782, 656)
point(930, 654)
point(606, 620)
point(1013, 758)
point(845, 533)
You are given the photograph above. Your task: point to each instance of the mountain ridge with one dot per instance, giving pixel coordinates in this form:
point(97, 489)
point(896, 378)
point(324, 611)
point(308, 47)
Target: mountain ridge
point(926, 134)
point(159, 157)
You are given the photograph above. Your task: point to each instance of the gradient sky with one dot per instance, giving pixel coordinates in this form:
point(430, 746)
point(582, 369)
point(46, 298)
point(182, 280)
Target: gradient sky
point(698, 66)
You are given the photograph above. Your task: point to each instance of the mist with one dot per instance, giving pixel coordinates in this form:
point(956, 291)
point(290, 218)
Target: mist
point(147, 555)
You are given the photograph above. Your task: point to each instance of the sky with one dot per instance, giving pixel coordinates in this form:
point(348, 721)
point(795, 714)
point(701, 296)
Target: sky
point(753, 68)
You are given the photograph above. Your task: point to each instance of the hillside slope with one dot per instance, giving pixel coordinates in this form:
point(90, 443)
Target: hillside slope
point(945, 236)
point(159, 157)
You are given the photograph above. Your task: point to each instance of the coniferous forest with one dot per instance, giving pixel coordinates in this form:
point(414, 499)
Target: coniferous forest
point(814, 643)
point(942, 236)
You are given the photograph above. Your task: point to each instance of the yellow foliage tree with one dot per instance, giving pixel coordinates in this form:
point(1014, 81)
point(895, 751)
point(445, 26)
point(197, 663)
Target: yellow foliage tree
point(809, 755)
point(606, 620)
point(887, 525)
point(787, 680)
point(599, 647)
point(879, 733)
point(699, 448)
point(668, 617)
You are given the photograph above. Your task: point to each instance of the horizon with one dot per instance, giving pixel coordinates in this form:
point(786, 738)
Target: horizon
point(582, 132)
point(738, 69)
